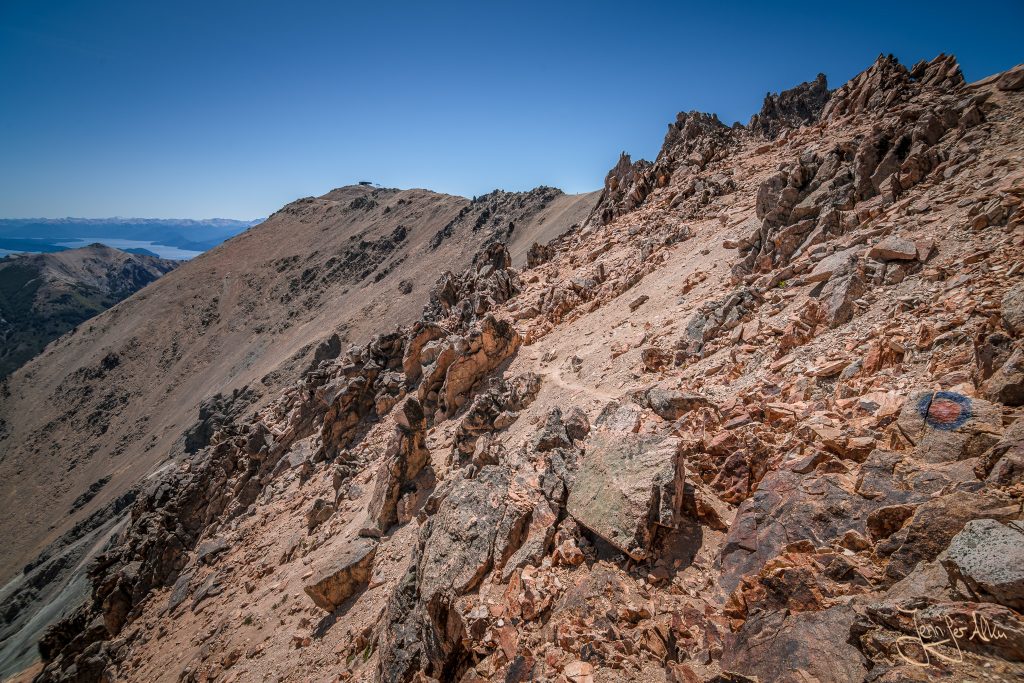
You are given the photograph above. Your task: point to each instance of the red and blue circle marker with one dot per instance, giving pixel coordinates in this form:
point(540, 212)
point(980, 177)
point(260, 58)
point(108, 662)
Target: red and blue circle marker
point(945, 410)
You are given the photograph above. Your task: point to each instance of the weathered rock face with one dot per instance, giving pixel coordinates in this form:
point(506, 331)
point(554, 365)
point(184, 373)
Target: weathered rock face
point(813, 199)
point(472, 530)
point(787, 508)
point(215, 413)
point(492, 411)
point(366, 380)
point(538, 254)
point(888, 82)
point(404, 460)
point(422, 334)
point(796, 647)
point(989, 558)
point(332, 585)
point(719, 316)
point(626, 485)
point(1006, 384)
point(625, 187)
point(693, 140)
point(1012, 79)
point(488, 344)
point(791, 108)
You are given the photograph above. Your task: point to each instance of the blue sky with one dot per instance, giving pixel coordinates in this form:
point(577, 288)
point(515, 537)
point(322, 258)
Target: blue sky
point(232, 109)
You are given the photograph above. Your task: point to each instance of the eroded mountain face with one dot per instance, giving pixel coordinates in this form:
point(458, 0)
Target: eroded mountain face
point(757, 419)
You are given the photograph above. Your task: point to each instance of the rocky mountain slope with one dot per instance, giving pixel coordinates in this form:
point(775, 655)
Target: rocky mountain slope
point(757, 419)
point(42, 296)
point(151, 380)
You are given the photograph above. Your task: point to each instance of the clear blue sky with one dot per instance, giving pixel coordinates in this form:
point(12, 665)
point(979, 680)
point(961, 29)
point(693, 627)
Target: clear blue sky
point(231, 109)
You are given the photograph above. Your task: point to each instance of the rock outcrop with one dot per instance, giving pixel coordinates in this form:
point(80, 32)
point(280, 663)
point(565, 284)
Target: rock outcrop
point(791, 108)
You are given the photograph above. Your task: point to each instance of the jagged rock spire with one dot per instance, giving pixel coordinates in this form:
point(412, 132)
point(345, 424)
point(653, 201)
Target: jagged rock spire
point(791, 108)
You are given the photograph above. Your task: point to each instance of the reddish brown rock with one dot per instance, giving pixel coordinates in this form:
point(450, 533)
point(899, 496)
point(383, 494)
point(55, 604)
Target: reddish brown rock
point(1012, 309)
point(1003, 465)
point(796, 647)
point(893, 248)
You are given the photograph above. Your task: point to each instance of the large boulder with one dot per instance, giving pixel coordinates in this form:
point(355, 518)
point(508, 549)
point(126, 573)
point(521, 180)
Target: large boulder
point(671, 404)
point(945, 426)
point(626, 486)
point(839, 296)
point(344, 576)
point(989, 558)
point(834, 265)
point(893, 248)
point(1012, 79)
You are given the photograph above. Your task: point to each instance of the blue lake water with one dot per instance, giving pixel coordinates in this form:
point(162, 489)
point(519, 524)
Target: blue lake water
point(161, 250)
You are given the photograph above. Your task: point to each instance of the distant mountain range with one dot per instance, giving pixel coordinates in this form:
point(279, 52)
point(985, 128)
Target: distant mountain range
point(46, 234)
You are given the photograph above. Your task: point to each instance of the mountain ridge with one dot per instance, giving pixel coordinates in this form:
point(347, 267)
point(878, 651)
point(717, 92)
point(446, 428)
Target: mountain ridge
point(760, 405)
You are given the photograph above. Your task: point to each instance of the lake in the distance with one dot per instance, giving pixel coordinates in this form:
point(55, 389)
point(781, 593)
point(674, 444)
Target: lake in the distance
point(161, 250)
